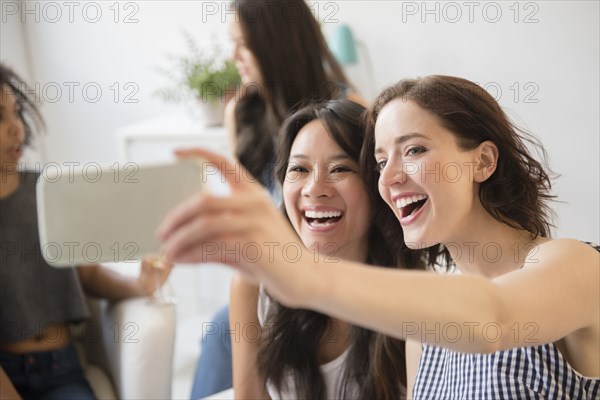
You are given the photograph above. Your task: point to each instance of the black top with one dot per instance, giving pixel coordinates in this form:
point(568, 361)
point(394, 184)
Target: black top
point(33, 295)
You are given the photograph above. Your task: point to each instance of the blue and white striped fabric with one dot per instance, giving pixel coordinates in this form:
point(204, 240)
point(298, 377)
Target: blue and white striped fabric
point(538, 372)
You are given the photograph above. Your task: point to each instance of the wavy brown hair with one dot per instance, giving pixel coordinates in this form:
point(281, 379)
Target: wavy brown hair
point(297, 69)
point(518, 192)
point(376, 366)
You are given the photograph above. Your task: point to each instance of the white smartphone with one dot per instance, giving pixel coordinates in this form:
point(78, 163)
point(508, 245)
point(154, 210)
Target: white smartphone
point(110, 214)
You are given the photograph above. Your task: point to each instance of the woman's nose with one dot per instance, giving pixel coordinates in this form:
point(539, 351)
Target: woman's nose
point(15, 126)
point(392, 173)
point(317, 184)
point(235, 55)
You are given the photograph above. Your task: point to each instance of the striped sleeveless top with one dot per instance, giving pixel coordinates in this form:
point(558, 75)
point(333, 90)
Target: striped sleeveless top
point(537, 372)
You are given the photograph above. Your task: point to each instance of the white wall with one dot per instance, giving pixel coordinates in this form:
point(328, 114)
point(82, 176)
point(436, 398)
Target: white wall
point(553, 59)
point(12, 42)
point(15, 52)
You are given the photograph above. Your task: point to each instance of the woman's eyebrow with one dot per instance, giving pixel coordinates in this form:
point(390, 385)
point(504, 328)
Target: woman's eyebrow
point(403, 138)
point(335, 157)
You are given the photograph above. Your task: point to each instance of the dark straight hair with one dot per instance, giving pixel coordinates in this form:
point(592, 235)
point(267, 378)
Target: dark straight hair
point(297, 69)
point(375, 367)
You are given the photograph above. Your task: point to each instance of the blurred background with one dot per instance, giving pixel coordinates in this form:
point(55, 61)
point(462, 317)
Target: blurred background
point(539, 59)
point(94, 66)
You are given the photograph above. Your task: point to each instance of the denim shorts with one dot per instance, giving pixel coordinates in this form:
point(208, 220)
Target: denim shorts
point(48, 375)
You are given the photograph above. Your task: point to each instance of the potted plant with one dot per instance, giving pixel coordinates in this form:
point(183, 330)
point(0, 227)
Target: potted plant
point(205, 76)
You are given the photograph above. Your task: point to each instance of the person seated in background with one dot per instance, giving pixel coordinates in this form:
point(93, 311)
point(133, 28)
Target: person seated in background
point(301, 354)
point(39, 303)
point(284, 64)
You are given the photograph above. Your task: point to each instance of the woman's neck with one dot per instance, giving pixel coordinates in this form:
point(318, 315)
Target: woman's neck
point(356, 252)
point(339, 333)
point(335, 341)
point(490, 248)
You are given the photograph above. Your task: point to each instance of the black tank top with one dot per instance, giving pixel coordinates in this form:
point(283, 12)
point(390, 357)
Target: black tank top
point(33, 295)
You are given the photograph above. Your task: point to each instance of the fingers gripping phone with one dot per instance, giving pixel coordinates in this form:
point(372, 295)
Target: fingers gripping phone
point(110, 214)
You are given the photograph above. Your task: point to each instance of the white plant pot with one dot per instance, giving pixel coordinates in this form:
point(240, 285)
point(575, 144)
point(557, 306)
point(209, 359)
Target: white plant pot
point(209, 112)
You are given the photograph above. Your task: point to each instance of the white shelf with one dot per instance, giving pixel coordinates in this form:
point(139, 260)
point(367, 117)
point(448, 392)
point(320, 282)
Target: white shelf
point(155, 139)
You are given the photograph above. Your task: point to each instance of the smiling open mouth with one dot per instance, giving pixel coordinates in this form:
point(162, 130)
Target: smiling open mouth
point(320, 218)
point(410, 205)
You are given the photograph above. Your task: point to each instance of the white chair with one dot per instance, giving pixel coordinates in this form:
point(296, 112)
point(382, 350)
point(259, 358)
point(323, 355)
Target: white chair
point(127, 349)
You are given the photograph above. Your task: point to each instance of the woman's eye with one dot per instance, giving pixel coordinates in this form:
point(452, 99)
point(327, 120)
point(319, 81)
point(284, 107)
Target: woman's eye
point(412, 151)
point(296, 168)
point(381, 165)
point(239, 43)
point(340, 168)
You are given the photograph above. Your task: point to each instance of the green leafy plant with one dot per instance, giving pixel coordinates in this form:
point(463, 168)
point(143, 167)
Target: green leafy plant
point(205, 75)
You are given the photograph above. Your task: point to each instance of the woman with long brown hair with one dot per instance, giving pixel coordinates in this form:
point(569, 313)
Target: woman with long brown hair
point(303, 354)
point(284, 63)
point(519, 318)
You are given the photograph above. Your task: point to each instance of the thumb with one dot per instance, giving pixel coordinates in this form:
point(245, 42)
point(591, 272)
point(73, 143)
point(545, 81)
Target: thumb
point(234, 173)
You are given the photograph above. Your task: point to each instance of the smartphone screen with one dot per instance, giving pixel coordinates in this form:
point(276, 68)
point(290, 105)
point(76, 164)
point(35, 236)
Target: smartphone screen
point(110, 214)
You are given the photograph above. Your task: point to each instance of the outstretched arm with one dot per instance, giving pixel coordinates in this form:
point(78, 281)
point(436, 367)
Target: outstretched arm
point(550, 299)
point(559, 295)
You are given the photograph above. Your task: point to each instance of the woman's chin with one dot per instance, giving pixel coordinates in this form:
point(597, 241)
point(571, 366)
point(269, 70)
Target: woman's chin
point(325, 248)
point(417, 242)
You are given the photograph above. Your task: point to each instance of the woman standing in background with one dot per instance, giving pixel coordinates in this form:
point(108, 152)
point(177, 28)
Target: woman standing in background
point(284, 63)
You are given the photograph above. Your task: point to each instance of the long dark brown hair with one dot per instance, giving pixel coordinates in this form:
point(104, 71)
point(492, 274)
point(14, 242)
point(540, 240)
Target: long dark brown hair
point(518, 192)
point(28, 110)
point(297, 69)
point(375, 367)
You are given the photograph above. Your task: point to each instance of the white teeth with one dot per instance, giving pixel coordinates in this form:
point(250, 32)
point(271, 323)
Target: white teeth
point(404, 201)
point(322, 214)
